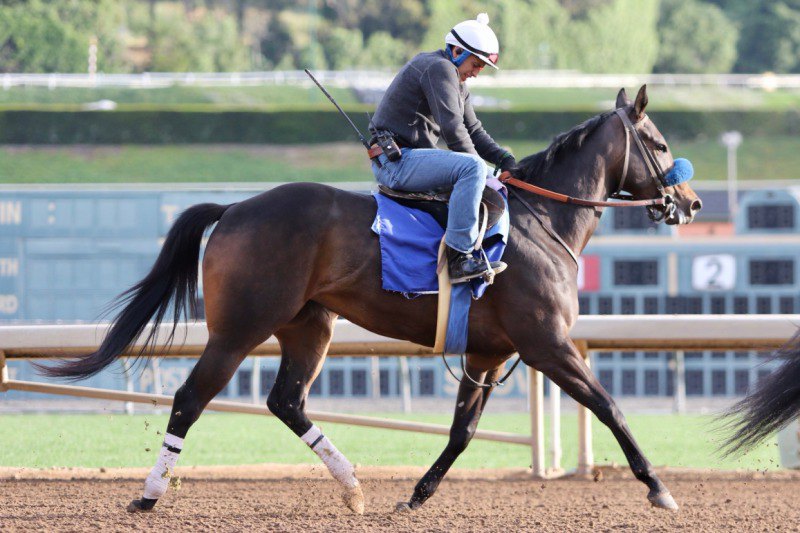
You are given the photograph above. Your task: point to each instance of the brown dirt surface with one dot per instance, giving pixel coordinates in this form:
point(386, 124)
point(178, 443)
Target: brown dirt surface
point(304, 498)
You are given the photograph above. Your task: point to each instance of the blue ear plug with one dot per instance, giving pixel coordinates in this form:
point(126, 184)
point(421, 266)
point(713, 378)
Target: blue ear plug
point(682, 172)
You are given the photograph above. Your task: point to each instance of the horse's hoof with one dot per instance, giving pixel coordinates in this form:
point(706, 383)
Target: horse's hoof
point(141, 506)
point(354, 499)
point(663, 500)
point(402, 508)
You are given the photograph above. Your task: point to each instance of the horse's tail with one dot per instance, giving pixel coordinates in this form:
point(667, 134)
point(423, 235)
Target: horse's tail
point(774, 403)
point(173, 277)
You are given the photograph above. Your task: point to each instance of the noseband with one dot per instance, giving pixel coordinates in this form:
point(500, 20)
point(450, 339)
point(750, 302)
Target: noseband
point(653, 168)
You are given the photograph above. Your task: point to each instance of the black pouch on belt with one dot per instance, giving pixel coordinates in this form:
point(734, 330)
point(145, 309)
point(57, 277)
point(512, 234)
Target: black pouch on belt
point(386, 141)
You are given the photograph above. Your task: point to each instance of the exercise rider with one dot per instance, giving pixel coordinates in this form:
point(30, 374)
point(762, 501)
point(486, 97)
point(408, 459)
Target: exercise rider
point(429, 99)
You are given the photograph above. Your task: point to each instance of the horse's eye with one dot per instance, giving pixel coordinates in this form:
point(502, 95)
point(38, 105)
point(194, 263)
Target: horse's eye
point(661, 147)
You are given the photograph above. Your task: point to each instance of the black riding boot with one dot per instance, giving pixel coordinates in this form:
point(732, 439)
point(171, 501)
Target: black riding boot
point(464, 267)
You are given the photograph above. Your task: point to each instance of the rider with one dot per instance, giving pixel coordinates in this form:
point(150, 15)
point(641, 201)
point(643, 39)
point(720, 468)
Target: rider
point(429, 99)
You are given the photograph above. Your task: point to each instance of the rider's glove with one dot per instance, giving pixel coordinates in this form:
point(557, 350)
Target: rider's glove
point(506, 162)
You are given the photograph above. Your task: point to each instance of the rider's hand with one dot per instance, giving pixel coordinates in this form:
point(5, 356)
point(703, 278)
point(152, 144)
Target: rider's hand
point(506, 162)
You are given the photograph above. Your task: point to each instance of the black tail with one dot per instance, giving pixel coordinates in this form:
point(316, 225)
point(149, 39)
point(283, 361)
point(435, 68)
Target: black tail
point(173, 276)
point(775, 403)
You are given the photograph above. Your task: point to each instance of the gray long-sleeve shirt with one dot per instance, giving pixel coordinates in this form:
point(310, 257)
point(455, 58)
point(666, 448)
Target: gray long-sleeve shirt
point(426, 101)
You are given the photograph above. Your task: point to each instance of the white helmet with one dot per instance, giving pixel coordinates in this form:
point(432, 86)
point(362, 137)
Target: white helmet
point(476, 37)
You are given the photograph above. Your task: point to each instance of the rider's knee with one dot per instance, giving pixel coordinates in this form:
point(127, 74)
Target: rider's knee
point(479, 166)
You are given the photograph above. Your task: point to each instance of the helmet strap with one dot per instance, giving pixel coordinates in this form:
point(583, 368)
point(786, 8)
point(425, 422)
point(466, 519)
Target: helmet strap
point(457, 61)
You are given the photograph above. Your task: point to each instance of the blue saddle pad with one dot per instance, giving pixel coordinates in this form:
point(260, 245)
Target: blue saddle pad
point(409, 241)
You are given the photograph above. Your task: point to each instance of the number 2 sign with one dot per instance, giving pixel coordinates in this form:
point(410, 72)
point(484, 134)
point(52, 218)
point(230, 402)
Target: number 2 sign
point(714, 272)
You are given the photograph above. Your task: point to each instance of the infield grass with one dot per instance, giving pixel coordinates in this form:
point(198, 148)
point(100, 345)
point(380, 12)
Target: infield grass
point(759, 158)
point(117, 440)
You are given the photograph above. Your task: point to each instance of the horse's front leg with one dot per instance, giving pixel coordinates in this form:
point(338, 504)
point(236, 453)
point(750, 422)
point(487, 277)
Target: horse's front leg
point(469, 405)
point(563, 363)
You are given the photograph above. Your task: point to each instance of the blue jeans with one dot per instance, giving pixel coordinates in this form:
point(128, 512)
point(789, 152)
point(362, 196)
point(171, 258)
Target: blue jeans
point(424, 169)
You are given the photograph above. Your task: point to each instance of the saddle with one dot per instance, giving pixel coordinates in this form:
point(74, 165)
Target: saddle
point(435, 203)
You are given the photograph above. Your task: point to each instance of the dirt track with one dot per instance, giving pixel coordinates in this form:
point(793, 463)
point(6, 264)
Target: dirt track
point(301, 498)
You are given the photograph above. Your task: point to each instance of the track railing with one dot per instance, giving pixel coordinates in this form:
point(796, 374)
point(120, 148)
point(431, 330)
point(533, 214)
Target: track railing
point(591, 333)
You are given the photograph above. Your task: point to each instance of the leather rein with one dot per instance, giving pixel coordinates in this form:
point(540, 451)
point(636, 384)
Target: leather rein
point(652, 166)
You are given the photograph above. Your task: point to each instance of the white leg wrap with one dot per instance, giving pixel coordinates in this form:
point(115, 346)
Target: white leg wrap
point(340, 468)
point(158, 480)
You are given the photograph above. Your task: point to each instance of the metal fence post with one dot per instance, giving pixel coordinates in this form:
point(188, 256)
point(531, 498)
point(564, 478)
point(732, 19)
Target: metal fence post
point(555, 427)
point(585, 455)
point(155, 366)
point(255, 381)
point(375, 371)
point(679, 404)
point(405, 384)
point(3, 372)
point(536, 407)
point(126, 370)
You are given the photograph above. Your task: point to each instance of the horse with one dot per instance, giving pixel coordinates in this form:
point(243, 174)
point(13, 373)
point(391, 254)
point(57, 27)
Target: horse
point(289, 261)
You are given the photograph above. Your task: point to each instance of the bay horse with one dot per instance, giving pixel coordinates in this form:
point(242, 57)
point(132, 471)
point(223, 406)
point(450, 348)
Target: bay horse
point(289, 261)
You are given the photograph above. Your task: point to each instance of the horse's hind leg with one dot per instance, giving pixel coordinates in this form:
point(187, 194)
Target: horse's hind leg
point(304, 344)
point(470, 403)
point(215, 368)
point(566, 367)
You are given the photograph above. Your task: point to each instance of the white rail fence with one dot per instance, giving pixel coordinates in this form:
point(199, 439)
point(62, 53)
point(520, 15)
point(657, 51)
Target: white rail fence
point(601, 333)
point(380, 79)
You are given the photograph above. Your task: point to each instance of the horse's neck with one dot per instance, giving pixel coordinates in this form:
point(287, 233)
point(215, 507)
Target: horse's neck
point(573, 223)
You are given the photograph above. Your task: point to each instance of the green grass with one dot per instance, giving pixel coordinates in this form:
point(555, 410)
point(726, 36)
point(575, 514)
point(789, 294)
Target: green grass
point(257, 97)
point(759, 158)
point(267, 96)
point(661, 98)
point(224, 439)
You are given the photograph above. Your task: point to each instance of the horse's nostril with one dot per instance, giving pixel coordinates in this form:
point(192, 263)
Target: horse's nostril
point(697, 205)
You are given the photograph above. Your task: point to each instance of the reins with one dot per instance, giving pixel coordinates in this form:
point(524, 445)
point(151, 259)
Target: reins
point(506, 178)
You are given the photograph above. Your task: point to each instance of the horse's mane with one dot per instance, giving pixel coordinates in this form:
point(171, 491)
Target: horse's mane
point(537, 164)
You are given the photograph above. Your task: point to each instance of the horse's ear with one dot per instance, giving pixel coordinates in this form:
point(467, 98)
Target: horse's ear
point(622, 98)
point(641, 103)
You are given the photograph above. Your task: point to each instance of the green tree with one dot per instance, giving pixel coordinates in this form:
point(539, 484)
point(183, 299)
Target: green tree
point(383, 50)
point(343, 48)
point(444, 14)
point(616, 36)
point(770, 38)
point(34, 38)
point(530, 33)
point(208, 42)
point(695, 37)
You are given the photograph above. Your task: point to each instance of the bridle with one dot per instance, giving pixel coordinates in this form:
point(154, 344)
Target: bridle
point(653, 168)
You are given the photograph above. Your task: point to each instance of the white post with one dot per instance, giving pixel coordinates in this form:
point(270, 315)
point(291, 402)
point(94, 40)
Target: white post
point(375, 370)
point(555, 427)
point(732, 140)
point(536, 407)
point(126, 370)
point(155, 366)
point(679, 398)
point(405, 384)
point(255, 381)
point(585, 455)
